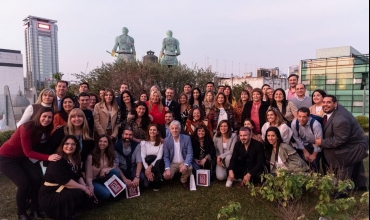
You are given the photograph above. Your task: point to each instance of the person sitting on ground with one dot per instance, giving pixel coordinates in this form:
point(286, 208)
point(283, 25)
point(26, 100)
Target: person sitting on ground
point(151, 155)
point(247, 160)
point(128, 160)
point(177, 155)
point(204, 151)
point(100, 167)
point(224, 141)
point(63, 192)
point(281, 155)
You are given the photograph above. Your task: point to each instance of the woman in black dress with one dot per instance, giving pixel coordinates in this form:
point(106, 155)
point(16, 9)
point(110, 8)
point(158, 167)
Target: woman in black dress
point(64, 188)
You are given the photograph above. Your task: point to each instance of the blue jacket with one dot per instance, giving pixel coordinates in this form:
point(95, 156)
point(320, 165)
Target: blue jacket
point(185, 146)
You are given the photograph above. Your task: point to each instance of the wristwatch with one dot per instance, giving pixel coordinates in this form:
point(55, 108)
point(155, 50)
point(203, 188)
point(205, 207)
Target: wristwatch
point(137, 176)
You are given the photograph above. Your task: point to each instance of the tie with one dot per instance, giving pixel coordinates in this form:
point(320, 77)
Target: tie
point(167, 104)
point(325, 119)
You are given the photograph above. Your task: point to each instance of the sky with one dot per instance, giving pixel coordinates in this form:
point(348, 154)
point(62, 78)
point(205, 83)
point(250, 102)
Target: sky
point(236, 36)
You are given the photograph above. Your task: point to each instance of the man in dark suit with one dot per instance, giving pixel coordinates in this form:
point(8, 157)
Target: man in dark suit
point(164, 129)
point(171, 104)
point(177, 154)
point(344, 143)
point(247, 160)
point(84, 101)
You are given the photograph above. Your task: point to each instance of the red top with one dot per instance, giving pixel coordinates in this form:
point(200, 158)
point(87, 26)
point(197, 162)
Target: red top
point(20, 145)
point(158, 117)
point(255, 117)
point(58, 121)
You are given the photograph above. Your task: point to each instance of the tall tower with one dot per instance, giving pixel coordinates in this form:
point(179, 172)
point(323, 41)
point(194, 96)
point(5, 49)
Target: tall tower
point(41, 37)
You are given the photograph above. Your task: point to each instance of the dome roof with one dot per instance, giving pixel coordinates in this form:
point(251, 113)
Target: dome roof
point(20, 100)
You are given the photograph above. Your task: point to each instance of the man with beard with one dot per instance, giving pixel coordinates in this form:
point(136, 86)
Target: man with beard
point(247, 160)
point(293, 81)
point(344, 143)
point(170, 104)
point(128, 159)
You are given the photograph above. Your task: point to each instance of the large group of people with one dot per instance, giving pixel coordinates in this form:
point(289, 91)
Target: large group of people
point(144, 140)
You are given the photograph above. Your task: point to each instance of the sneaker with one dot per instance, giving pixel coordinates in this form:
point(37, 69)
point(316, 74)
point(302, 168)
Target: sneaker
point(229, 183)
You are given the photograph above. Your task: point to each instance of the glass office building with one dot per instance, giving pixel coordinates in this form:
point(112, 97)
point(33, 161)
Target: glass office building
point(346, 77)
point(41, 37)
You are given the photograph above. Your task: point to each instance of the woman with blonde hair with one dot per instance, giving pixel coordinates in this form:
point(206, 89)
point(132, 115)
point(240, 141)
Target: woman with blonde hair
point(107, 115)
point(209, 98)
point(184, 108)
point(77, 126)
point(47, 98)
point(156, 108)
point(275, 119)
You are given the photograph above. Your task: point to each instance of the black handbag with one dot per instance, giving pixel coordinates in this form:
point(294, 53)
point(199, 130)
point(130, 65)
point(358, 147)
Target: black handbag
point(150, 159)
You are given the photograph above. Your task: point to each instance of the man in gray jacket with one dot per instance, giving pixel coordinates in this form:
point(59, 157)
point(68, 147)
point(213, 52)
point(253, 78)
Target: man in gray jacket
point(344, 142)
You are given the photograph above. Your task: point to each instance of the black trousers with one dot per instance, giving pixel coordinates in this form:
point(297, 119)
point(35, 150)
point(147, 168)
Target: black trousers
point(28, 178)
point(241, 170)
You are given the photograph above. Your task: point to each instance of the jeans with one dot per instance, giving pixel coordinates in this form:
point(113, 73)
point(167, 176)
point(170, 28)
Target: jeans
point(100, 190)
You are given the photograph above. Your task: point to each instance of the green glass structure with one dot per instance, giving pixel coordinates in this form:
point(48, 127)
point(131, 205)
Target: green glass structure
point(345, 77)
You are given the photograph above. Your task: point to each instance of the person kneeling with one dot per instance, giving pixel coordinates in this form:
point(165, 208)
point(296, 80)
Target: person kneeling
point(247, 160)
point(177, 154)
point(100, 167)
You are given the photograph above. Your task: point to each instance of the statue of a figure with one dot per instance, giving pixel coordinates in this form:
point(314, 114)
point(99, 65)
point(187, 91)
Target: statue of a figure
point(170, 49)
point(126, 45)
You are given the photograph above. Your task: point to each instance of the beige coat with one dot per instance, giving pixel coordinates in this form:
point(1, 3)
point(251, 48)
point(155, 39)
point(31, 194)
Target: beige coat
point(101, 119)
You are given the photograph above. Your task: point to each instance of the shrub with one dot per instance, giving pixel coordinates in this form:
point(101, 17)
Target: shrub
point(364, 122)
point(4, 136)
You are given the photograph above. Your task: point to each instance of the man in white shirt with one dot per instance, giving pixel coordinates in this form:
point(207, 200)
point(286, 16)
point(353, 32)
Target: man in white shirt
point(61, 90)
point(177, 154)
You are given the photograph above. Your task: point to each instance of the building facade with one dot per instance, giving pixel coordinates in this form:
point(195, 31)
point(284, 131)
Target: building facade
point(257, 82)
point(346, 77)
point(11, 73)
point(41, 38)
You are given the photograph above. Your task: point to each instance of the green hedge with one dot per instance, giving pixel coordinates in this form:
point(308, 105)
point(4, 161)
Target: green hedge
point(364, 122)
point(4, 136)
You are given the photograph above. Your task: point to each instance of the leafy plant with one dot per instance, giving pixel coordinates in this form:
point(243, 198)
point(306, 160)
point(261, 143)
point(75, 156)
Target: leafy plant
point(286, 189)
point(364, 122)
point(231, 212)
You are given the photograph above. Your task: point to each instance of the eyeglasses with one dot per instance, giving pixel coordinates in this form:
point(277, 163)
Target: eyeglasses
point(70, 144)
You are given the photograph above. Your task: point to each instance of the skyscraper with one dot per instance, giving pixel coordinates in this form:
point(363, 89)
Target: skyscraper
point(41, 37)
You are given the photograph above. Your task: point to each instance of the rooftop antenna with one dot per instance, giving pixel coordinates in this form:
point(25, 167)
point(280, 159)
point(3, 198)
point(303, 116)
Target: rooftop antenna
point(86, 67)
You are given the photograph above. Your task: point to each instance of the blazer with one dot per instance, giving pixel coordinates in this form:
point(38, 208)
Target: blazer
point(101, 119)
point(289, 156)
point(344, 141)
point(229, 143)
point(175, 107)
point(261, 113)
point(256, 153)
point(185, 147)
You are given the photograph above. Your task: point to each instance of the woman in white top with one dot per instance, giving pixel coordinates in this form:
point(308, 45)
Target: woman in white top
point(47, 98)
point(275, 119)
point(151, 155)
point(224, 141)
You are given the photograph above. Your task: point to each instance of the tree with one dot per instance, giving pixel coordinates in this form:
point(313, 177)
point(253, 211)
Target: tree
point(140, 77)
point(237, 89)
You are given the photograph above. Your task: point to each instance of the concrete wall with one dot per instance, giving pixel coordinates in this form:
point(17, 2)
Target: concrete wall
point(336, 52)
